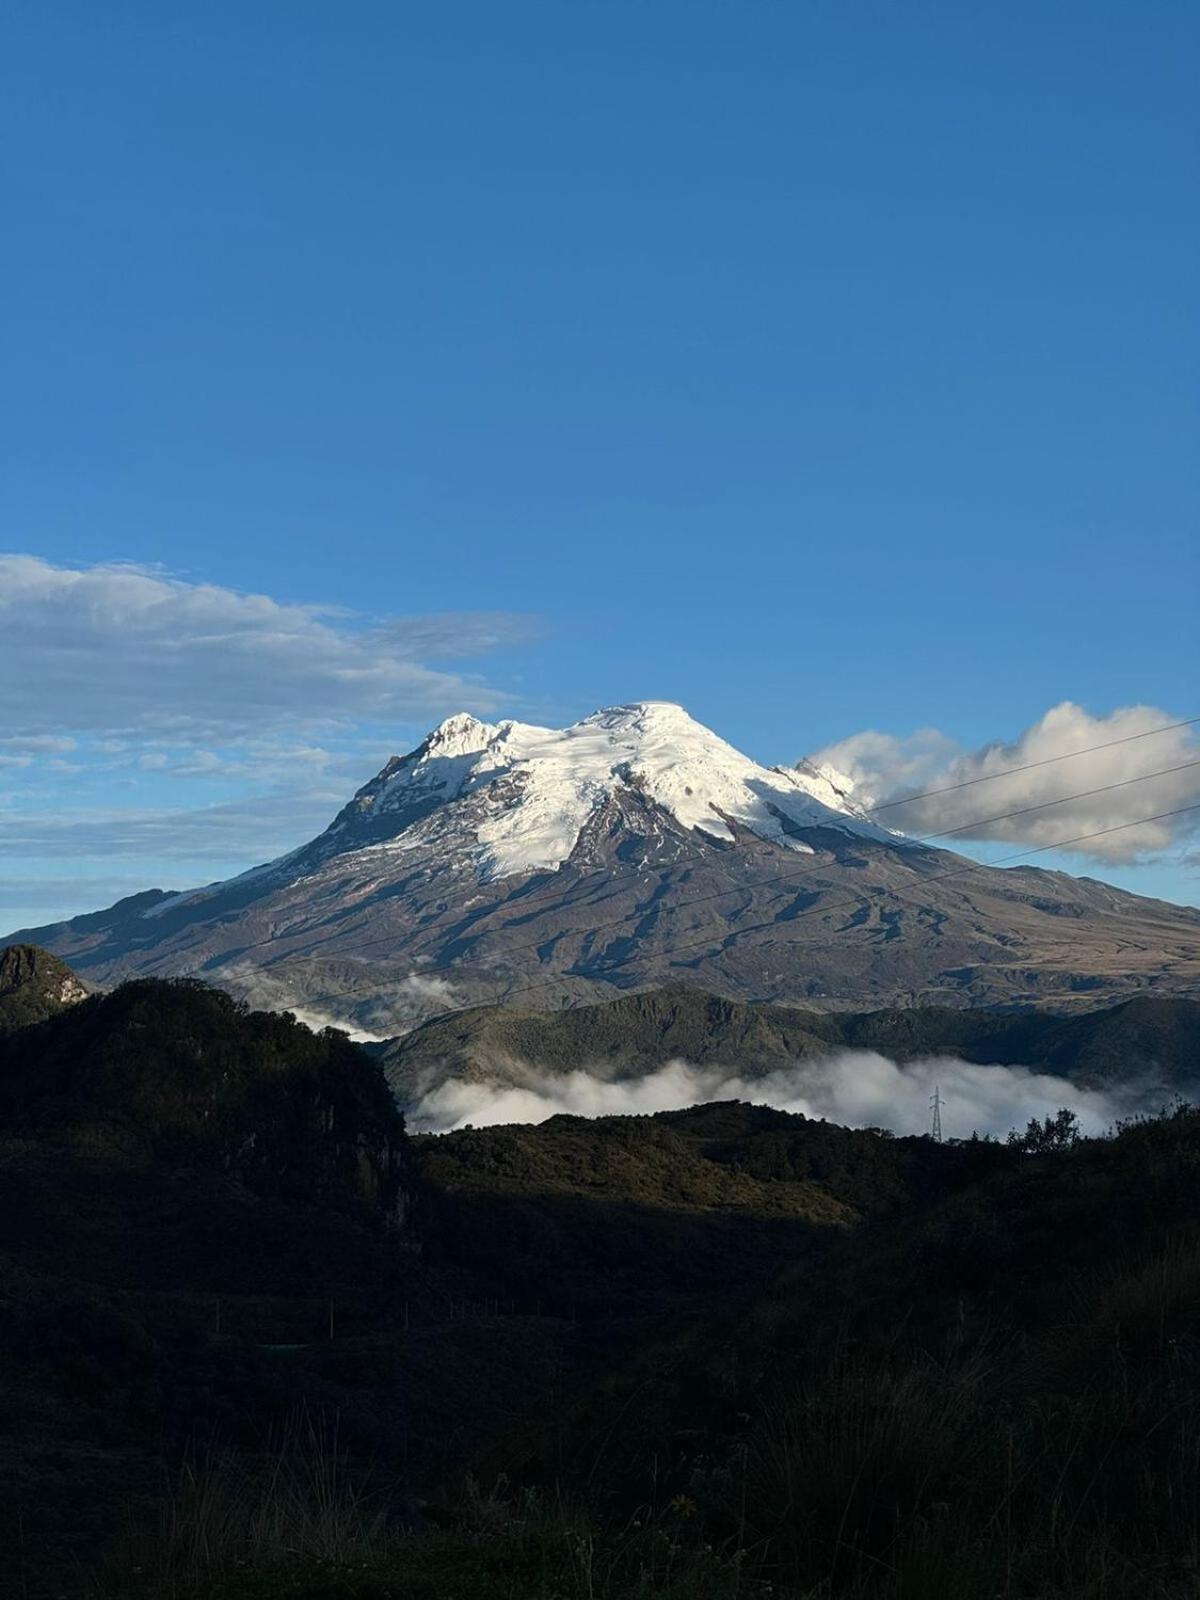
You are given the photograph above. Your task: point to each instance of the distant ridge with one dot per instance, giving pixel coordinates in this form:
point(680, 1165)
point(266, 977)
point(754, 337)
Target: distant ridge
point(1156, 1041)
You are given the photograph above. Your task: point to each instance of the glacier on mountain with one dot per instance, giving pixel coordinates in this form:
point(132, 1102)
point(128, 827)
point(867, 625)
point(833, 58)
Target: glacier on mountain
point(634, 847)
point(539, 787)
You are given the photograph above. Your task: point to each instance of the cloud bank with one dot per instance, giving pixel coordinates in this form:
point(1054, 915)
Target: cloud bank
point(412, 1000)
point(857, 1088)
point(194, 729)
point(120, 648)
point(884, 768)
point(193, 836)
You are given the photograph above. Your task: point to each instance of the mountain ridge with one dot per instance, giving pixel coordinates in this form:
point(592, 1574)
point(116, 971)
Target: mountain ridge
point(632, 850)
point(1152, 1041)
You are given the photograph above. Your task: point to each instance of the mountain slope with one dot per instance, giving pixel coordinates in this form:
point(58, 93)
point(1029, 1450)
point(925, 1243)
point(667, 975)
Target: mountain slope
point(633, 849)
point(177, 1072)
point(1154, 1040)
point(696, 1322)
point(184, 1185)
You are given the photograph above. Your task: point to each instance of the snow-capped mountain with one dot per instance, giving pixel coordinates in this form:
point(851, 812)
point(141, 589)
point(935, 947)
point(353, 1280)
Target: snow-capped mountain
point(532, 792)
point(634, 847)
point(511, 799)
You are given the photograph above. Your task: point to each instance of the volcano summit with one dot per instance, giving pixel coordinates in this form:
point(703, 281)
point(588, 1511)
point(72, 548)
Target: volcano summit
point(632, 849)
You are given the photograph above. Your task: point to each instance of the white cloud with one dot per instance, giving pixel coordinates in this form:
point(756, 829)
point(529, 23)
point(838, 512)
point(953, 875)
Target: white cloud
point(256, 828)
point(413, 999)
point(858, 1088)
point(39, 744)
point(58, 898)
point(115, 649)
point(885, 768)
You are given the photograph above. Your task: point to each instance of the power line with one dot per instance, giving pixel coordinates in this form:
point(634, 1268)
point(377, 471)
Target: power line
point(615, 877)
point(1105, 788)
point(1028, 766)
point(947, 833)
point(864, 898)
point(608, 878)
point(813, 871)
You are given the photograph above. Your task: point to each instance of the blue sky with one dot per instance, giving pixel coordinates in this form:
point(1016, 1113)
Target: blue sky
point(826, 368)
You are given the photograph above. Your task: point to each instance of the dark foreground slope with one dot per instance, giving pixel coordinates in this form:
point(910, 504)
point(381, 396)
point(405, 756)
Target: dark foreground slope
point(979, 1380)
point(177, 1073)
point(990, 1388)
point(717, 1353)
point(1156, 1041)
point(180, 1180)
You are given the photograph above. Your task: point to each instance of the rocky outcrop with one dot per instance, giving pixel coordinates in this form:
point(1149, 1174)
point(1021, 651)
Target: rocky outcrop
point(34, 985)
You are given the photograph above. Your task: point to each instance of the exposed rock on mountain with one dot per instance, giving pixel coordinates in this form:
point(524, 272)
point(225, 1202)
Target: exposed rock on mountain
point(634, 849)
point(34, 985)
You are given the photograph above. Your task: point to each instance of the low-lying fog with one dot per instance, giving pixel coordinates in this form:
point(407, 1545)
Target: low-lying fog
point(857, 1087)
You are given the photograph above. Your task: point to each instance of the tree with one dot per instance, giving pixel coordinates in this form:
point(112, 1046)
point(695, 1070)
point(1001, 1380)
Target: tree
point(1049, 1136)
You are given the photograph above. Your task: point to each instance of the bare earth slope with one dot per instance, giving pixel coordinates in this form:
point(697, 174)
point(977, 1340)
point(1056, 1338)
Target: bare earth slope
point(633, 850)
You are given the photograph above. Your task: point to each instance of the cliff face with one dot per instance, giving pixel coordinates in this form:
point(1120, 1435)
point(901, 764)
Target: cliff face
point(34, 985)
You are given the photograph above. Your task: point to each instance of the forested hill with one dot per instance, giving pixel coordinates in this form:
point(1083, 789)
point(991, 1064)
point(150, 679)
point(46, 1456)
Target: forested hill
point(1156, 1040)
point(257, 1341)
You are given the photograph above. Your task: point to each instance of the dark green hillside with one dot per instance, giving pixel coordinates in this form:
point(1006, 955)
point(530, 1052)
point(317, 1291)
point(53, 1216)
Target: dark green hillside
point(178, 1071)
point(630, 1035)
point(991, 1370)
point(597, 1217)
point(988, 1377)
point(181, 1181)
point(1142, 1039)
point(257, 1342)
point(1000, 1381)
point(1158, 1037)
